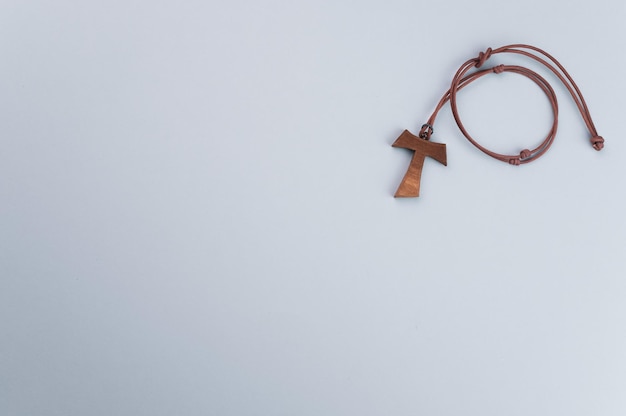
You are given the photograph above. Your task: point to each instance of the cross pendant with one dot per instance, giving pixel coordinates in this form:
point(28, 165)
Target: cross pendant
point(410, 185)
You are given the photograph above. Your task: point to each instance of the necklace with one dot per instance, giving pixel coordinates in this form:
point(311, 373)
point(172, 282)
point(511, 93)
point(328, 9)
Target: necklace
point(423, 147)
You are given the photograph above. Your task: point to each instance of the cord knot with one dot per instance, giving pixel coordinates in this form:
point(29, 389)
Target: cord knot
point(597, 142)
point(525, 154)
point(498, 69)
point(514, 161)
point(482, 57)
point(426, 131)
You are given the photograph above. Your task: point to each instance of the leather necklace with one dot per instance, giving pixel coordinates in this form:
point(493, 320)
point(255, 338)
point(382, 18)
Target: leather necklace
point(422, 146)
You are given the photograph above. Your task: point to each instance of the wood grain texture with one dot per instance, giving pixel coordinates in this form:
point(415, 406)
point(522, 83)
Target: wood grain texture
point(410, 185)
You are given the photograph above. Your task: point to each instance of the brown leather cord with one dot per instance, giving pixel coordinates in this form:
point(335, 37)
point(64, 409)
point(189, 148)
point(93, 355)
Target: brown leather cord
point(461, 80)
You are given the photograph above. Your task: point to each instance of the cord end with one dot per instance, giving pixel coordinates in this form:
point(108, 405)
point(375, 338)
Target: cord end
point(597, 142)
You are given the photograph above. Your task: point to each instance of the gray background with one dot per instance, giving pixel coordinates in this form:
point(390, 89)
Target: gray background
point(197, 217)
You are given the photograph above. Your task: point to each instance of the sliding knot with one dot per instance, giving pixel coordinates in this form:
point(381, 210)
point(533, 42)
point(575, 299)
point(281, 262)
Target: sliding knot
point(514, 161)
point(498, 69)
point(597, 142)
point(482, 57)
point(525, 154)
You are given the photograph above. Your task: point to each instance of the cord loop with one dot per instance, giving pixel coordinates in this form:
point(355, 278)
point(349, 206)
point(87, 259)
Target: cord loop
point(462, 79)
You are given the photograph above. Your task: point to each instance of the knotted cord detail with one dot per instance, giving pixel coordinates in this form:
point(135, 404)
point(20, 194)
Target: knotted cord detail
point(597, 142)
point(498, 69)
point(482, 57)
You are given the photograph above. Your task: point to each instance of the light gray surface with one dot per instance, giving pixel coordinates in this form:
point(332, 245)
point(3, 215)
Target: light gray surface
point(197, 218)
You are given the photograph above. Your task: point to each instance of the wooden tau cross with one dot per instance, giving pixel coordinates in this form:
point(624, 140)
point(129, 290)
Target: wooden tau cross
point(410, 185)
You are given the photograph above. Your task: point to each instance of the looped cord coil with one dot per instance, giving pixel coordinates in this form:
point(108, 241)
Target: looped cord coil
point(461, 80)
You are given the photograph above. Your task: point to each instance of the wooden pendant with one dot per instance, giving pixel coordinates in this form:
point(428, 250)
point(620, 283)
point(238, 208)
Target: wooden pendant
point(410, 185)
